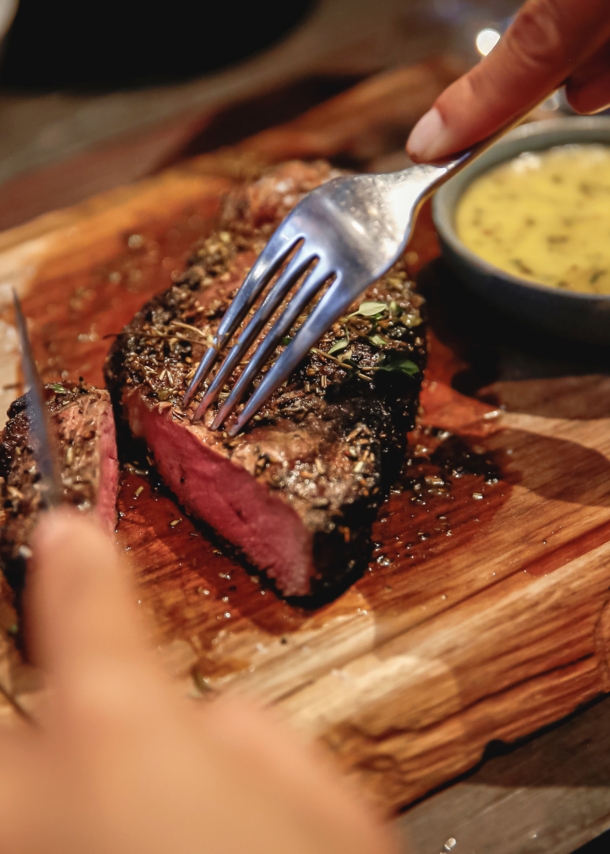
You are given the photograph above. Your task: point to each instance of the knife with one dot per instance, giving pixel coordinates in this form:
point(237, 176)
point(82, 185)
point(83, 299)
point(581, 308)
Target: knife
point(42, 441)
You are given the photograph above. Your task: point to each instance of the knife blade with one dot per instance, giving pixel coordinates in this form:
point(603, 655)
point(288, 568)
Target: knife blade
point(42, 441)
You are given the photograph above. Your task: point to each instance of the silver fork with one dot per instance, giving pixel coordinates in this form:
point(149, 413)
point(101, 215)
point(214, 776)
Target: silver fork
point(354, 228)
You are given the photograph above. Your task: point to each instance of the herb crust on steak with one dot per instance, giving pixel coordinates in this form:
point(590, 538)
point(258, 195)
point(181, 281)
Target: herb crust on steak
point(298, 489)
point(82, 420)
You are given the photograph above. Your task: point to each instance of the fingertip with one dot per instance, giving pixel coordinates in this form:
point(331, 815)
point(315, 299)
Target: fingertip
point(69, 549)
point(429, 138)
point(80, 604)
point(56, 526)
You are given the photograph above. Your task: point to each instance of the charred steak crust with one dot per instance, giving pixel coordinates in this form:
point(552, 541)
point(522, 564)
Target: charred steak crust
point(298, 489)
point(83, 420)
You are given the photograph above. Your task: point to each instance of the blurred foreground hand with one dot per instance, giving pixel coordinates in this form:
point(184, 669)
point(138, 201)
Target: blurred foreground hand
point(121, 764)
point(549, 43)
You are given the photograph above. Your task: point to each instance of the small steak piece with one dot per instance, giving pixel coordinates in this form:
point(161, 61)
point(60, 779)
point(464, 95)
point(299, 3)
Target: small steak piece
point(83, 421)
point(297, 491)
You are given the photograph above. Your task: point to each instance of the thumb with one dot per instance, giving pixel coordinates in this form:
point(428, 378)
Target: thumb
point(544, 45)
point(84, 626)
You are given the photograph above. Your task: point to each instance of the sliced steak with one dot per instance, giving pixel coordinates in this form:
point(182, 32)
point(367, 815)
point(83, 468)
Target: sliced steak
point(298, 489)
point(83, 421)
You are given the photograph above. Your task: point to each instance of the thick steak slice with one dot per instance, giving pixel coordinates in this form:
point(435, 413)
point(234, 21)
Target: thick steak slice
point(83, 420)
point(298, 489)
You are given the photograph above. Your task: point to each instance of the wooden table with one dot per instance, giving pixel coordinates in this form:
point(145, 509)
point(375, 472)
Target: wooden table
point(549, 795)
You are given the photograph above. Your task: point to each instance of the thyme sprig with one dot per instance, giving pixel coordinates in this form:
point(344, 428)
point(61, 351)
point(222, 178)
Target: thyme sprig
point(375, 313)
point(58, 388)
point(343, 364)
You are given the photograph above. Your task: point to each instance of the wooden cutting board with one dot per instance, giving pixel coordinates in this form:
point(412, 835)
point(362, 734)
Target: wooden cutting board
point(483, 613)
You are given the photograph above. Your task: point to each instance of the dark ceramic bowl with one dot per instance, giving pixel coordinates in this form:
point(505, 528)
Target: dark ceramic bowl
point(581, 317)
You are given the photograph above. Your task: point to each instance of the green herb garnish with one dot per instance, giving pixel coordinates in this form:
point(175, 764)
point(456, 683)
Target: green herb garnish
point(377, 340)
point(398, 364)
point(58, 388)
point(338, 346)
point(370, 309)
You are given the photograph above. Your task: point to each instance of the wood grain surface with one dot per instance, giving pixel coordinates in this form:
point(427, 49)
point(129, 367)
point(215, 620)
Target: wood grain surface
point(483, 613)
point(549, 796)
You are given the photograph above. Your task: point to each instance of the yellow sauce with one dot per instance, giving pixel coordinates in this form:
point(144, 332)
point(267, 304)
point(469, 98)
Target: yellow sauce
point(544, 217)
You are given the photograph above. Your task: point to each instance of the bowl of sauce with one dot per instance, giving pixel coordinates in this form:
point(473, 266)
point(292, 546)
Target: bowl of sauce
point(527, 226)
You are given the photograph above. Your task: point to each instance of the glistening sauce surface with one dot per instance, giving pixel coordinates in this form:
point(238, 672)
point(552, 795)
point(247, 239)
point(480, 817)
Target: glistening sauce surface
point(545, 217)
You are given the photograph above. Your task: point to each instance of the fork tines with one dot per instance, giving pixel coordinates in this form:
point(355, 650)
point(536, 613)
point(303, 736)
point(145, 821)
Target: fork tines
point(282, 243)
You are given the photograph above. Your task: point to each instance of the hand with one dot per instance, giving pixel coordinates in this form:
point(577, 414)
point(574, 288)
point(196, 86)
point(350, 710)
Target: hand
point(120, 763)
point(550, 42)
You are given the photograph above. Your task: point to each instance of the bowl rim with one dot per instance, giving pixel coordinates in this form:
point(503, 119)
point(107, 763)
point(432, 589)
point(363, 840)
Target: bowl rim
point(575, 129)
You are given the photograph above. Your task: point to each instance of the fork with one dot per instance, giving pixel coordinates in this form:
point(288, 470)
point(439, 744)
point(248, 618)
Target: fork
point(355, 228)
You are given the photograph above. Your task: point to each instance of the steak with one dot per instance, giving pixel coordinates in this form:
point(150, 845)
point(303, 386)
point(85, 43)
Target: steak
point(298, 489)
point(83, 422)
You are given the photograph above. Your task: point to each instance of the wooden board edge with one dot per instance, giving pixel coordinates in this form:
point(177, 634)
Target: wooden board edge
point(418, 710)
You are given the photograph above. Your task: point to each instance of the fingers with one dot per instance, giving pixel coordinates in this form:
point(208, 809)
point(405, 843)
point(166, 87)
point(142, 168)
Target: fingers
point(547, 41)
point(297, 776)
point(85, 628)
point(588, 89)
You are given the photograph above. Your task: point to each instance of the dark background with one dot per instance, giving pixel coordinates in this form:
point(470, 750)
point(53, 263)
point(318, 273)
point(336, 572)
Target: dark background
point(80, 45)
point(598, 846)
